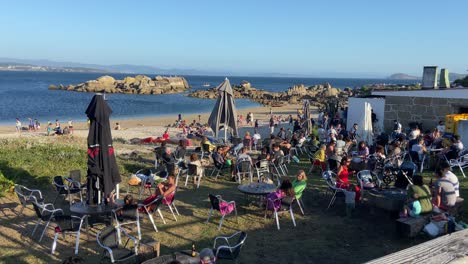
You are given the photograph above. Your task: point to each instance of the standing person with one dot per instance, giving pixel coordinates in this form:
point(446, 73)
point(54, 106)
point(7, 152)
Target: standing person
point(256, 123)
point(179, 117)
point(199, 118)
point(272, 125)
point(70, 126)
point(37, 125)
point(31, 125)
point(290, 120)
point(251, 118)
point(271, 112)
point(18, 126)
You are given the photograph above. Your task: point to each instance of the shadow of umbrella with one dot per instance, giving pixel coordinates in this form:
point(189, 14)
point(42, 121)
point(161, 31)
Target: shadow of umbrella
point(103, 173)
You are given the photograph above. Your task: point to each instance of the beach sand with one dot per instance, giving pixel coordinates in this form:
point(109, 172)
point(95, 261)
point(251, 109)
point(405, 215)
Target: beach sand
point(155, 126)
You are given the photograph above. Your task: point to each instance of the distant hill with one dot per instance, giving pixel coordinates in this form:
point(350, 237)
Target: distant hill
point(455, 76)
point(14, 66)
point(403, 76)
point(118, 68)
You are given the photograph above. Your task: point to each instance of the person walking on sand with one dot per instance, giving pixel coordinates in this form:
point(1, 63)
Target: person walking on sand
point(272, 125)
point(31, 125)
point(70, 127)
point(37, 125)
point(18, 126)
point(271, 111)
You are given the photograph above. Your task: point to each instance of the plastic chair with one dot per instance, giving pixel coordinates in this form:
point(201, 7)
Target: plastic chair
point(329, 178)
point(264, 167)
point(461, 162)
point(216, 202)
point(108, 240)
point(27, 196)
point(363, 177)
point(146, 181)
point(192, 172)
point(66, 190)
point(151, 208)
point(129, 215)
point(229, 249)
point(275, 206)
point(169, 201)
point(66, 226)
point(45, 213)
point(243, 168)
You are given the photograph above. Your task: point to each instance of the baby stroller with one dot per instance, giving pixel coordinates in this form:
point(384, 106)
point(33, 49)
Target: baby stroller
point(405, 174)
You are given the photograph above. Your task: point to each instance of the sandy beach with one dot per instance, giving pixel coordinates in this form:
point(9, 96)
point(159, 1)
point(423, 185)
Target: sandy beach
point(155, 126)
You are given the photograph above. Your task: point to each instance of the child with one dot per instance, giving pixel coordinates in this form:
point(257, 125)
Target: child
point(129, 204)
point(350, 199)
point(413, 208)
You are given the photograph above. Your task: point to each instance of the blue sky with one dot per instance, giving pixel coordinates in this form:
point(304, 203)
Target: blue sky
point(302, 37)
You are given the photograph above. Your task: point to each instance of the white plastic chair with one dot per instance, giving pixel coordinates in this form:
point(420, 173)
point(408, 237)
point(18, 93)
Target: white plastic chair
point(271, 206)
point(329, 177)
point(461, 163)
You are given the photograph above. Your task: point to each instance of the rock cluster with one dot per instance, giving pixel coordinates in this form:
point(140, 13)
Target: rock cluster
point(139, 84)
point(317, 94)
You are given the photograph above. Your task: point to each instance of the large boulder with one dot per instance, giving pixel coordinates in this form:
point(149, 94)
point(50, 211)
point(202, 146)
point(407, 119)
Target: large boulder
point(128, 80)
point(106, 80)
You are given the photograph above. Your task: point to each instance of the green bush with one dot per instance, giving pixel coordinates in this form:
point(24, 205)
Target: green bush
point(5, 184)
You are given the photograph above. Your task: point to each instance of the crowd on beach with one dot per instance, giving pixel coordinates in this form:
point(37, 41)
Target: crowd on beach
point(52, 129)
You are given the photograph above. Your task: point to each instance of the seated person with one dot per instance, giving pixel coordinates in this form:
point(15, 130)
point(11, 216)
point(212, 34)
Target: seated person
point(168, 160)
point(454, 150)
point(221, 161)
point(205, 141)
point(282, 197)
point(342, 180)
point(299, 184)
point(419, 148)
point(419, 192)
point(263, 156)
point(277, 153)
point(244, 156)
point(445, 195)
point(165, 136)
point(162, 190)
point(449, 175)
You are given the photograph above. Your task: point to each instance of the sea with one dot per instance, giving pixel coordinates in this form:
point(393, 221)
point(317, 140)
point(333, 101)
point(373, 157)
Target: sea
point(26, 95)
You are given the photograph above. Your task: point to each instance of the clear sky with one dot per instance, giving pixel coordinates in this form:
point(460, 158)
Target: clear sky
point(247, 36)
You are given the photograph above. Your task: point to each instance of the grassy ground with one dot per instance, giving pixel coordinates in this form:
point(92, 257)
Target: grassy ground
point(320, 236)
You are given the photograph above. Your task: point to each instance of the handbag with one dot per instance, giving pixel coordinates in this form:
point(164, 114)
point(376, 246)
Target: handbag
point(134, 180)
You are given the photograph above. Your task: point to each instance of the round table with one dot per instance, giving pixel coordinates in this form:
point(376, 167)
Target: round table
point(92, 210)
point(257, 188)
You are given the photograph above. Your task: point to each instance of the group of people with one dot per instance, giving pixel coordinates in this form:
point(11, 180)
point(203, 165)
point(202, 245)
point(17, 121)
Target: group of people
point(52, 129)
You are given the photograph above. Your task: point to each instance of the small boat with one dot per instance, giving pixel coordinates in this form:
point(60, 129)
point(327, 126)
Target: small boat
point(206, 85)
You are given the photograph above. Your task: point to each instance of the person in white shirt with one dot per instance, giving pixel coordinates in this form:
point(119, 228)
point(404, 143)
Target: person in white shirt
point(414, 134)
point(397, 127)
point(441, 127)
point(451, 177)
point(256, 137)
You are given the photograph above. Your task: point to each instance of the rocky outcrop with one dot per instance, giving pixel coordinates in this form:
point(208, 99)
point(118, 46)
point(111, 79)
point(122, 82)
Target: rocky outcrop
point(319, 95)
point(139, 84)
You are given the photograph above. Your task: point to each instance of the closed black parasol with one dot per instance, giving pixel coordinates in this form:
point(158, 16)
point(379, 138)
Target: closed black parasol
point(224, 113)
point(103, 173)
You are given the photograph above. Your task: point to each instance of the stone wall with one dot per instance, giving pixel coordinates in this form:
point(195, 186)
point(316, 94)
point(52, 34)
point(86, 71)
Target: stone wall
point(428, 111)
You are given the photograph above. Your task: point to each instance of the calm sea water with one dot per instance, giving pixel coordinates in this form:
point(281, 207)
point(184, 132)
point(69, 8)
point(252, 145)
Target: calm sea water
point(26, 94)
